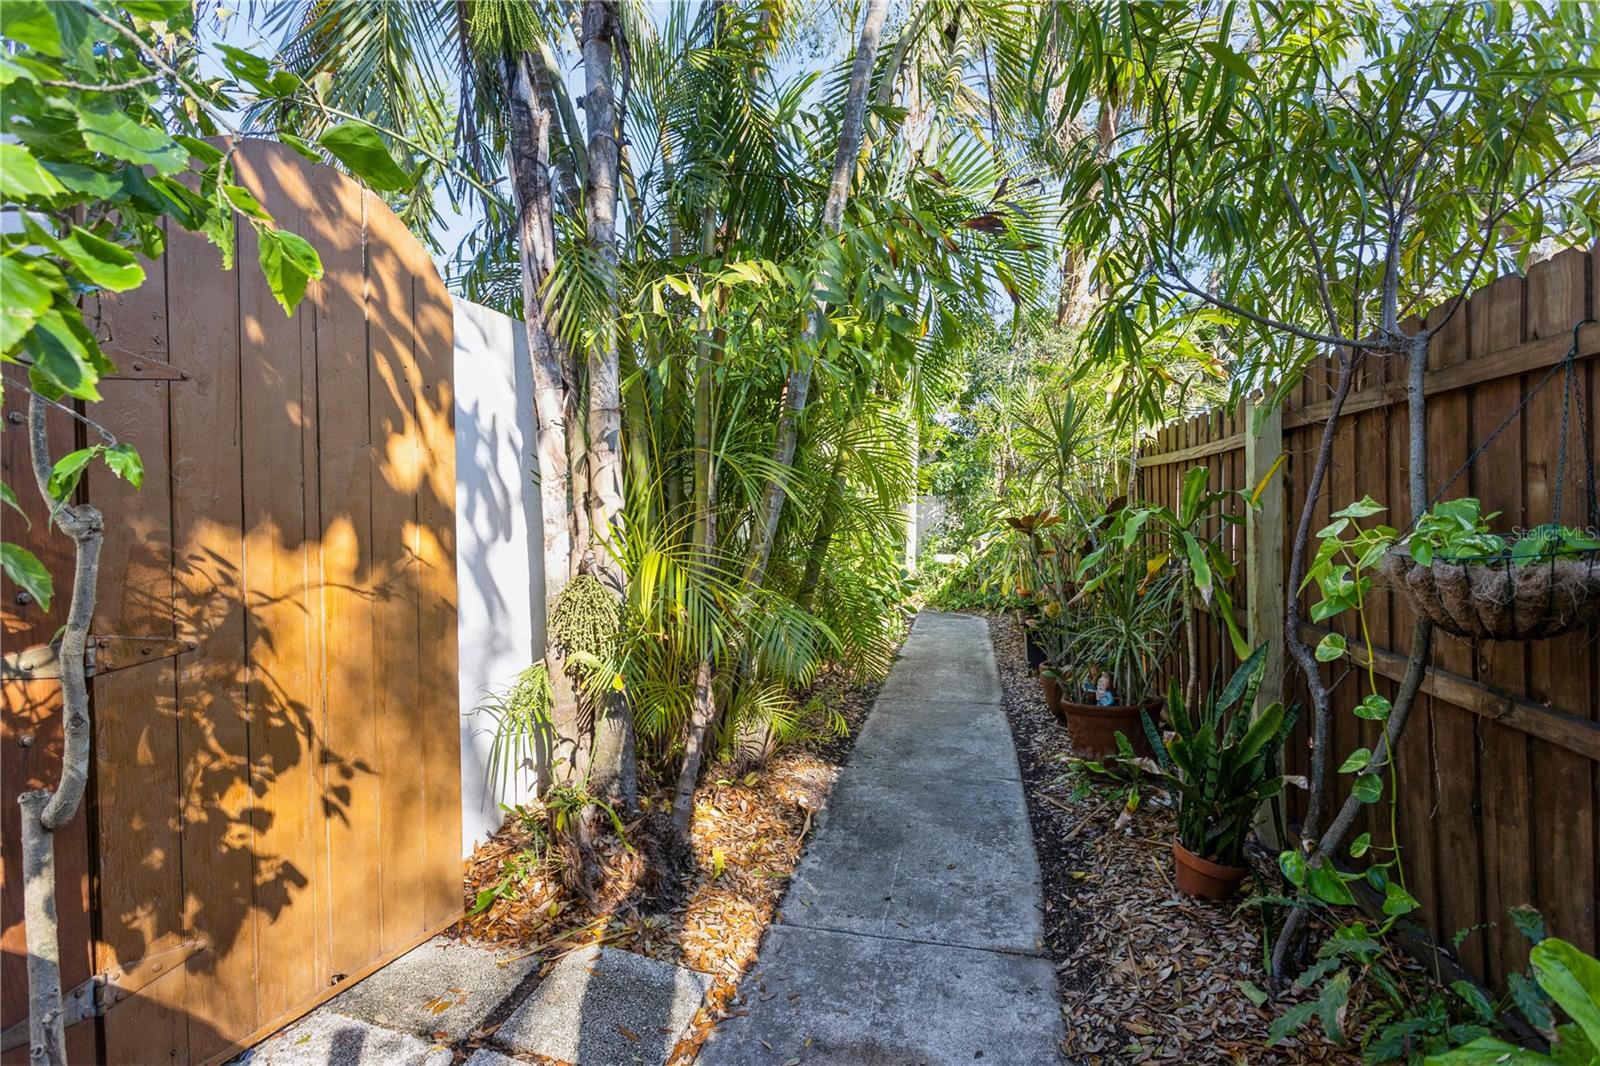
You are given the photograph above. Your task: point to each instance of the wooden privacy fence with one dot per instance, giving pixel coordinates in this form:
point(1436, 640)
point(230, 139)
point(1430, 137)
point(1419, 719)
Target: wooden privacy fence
point(275, 806)
point(1497, 767)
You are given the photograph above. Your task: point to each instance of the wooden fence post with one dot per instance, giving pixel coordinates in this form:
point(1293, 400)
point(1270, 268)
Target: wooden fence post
point(1264, 561)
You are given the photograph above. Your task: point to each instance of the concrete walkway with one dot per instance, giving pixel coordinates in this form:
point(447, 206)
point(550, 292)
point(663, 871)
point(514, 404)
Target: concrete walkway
point(912, 931)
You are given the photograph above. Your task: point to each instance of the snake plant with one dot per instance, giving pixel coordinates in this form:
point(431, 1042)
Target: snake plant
point(1219, 761)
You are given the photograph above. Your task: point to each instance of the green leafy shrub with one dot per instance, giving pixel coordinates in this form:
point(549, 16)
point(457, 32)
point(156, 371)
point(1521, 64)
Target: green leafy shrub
point(1570, 977)
point(1458, 531)
point(1219, 764)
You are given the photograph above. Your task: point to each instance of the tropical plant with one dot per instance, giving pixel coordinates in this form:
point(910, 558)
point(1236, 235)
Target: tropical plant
point(1304, 179)
point(1123, 624)
point(1220, 762)
point(524, 737)
point(1200, 557)
point(1458, 531)
point(1570, 977)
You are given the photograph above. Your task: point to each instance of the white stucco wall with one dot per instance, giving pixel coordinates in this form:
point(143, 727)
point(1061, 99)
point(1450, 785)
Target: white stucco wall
point(499, 571)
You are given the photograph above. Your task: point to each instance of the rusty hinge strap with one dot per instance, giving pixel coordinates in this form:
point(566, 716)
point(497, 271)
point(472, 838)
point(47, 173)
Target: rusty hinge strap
point(105, 654)
point(115, 653)
point(105, 990)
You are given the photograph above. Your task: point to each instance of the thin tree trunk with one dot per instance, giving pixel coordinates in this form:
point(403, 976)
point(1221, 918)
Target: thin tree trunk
point(528, 154)
point(613, 775)
point(798, 386)
point(1321, 712)
point(44, 812)
point(703, 533)
point(1071, 309)
point(1328, 844)
point(47, 1035)
point(600, 30)
point(827, 523)
point(912, 503)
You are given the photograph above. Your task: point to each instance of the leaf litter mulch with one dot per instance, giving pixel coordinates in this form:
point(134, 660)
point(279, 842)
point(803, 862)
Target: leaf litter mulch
point(750, 827)
point(1146, 975)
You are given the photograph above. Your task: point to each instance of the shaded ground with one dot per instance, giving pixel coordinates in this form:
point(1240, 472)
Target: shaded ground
point(749, 829)
point(1145, 975)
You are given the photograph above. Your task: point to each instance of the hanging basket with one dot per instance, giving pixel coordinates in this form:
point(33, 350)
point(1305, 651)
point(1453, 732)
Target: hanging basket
point(1494, 598)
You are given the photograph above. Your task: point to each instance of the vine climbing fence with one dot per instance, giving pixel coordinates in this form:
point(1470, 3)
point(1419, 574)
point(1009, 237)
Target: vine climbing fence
point(1497, 797)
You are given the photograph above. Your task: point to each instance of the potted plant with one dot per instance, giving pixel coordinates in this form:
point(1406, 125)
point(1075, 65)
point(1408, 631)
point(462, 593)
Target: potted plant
point(1220, 764)
point(1475, 584)
point(1032, 575)
point(1121, 630)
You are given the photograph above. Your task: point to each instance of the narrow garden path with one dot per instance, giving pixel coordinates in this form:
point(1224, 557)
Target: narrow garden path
point(912, 931)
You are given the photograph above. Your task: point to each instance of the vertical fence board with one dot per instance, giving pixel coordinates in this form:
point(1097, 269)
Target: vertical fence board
point(1563, 831)
point(1496, 479)
point(394, 547)
point(349, 717)
point(1459, 844)
point(279, 600)
point(218, 802)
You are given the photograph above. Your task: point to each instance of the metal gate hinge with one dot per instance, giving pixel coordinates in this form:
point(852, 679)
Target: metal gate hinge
point(103, 655)
point(105, 990)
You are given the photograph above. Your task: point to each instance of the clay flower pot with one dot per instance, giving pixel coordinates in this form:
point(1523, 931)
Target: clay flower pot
point(1052, 692)
point(1094, 729)
point(1204, 878)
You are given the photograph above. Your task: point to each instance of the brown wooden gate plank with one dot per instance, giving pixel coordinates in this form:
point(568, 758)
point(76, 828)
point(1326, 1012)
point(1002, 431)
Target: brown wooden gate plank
point(349, 716)
point(280, 562)
point(433, 325)
point(218, 800)
point(140, 887)
point(392, 411)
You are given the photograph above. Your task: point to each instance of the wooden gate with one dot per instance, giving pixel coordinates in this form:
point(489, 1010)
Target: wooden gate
point(275, 807)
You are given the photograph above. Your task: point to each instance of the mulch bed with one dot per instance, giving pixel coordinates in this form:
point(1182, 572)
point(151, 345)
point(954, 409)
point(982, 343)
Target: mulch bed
point(1145, 974)
point(749, 829)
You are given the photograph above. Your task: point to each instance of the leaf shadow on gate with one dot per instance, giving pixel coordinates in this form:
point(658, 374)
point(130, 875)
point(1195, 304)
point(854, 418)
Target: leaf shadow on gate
point(210, 858)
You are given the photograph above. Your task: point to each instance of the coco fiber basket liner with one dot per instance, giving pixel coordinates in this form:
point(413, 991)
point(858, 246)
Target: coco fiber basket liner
point(1497, 599)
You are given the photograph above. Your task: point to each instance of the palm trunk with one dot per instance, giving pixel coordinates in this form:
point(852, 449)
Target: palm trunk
point(703, 531)
point(529, 158)
point(1071, 305)
point(612, 772)
point(827, 523)
point(798, 386)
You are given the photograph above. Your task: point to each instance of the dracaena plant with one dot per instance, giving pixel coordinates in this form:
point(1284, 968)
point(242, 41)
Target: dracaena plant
point(1202, 560)
point(1220, 762)
point(1121, 624)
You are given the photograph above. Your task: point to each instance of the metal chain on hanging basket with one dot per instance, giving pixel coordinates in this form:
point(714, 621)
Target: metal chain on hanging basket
point(1513, 593)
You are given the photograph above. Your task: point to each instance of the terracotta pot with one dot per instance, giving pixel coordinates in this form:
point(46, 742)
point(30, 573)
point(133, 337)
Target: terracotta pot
point(1204, 878)
point(1052, 692)
point(1094, 729)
